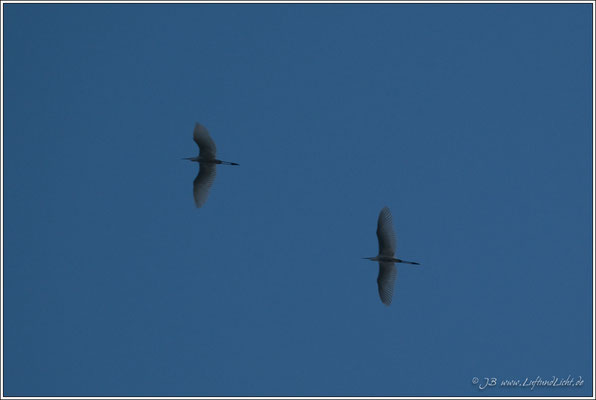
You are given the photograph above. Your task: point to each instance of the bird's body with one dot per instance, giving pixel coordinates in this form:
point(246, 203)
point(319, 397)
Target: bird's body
point(386, 259)
point(389, 259)
point(207, 163)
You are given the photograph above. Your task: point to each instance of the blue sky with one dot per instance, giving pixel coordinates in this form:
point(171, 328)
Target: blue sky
point(472, 123)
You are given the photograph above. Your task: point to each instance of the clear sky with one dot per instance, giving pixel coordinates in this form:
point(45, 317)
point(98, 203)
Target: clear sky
point(472, 123)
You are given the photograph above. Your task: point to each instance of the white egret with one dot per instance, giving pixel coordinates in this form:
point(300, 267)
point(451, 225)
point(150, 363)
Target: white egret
point(387, 245)
point(207, 163)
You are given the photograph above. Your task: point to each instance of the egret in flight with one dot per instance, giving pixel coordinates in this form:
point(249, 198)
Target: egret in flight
point(387, 269)
point(207, 163)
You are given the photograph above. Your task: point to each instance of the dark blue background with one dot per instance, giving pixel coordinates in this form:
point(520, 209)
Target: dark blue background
point(472, 123)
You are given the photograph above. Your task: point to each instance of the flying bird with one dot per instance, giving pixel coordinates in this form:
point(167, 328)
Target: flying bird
point(207, 163)
point(386, 259)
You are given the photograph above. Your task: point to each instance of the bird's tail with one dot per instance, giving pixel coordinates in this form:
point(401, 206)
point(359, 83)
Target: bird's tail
point(410, 262)
point(229, 163)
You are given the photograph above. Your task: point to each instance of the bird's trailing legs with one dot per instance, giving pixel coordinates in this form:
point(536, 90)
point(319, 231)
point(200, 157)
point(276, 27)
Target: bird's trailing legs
point(408, 262)
point(226, 162)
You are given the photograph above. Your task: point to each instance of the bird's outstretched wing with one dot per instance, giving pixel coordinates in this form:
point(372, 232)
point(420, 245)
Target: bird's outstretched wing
point(203, 139)
point(385, 233)
point(386, 281)
point(203, 182)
